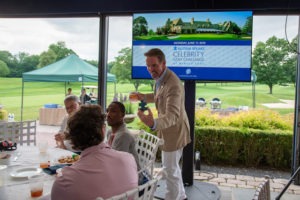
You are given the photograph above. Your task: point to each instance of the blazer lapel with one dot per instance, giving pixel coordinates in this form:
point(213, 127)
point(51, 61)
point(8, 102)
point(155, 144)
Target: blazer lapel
point(160, 88)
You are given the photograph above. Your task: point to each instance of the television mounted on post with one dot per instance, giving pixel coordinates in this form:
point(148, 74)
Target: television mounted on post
point(203, 46)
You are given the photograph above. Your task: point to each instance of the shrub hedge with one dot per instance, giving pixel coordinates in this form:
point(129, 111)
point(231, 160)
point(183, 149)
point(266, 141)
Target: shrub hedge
point(257, 138)
point(249, 147)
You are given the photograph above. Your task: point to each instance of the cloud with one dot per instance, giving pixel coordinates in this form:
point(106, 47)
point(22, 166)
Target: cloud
point(120, 35)
point(34, 35)
point(265, 27)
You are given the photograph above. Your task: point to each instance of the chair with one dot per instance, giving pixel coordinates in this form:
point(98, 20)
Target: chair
point(263, 190)
point(142, 192)
point(201, 102)
point(215, 103)
point(146, 146)
point(22, 132)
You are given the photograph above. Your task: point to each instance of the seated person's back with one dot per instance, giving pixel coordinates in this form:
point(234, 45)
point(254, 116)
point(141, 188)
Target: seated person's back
point(100, 171)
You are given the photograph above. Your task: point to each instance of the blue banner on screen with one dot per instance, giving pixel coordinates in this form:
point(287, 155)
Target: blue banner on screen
point(208, 46)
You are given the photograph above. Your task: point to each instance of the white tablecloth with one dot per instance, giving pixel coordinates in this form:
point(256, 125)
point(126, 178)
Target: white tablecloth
point(27, 156)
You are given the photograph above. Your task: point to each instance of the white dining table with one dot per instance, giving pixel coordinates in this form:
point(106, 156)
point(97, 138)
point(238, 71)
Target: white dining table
point(17, 188)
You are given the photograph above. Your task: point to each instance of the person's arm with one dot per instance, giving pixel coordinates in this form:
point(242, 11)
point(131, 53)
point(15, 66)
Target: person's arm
point(149, 98)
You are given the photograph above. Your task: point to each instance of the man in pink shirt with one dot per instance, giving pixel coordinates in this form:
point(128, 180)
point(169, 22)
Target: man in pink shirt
point(100, 171)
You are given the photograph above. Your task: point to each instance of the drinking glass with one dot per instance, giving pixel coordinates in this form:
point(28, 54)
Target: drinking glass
point(36, 184)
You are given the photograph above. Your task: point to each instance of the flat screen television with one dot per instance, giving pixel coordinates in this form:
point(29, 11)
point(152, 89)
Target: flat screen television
point(205, 46)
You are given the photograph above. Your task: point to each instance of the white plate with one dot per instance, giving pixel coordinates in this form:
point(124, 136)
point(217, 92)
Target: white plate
point(25, 172)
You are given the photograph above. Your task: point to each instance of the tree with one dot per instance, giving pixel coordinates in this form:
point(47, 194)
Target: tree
point(140, 26)
point(231, 27)
point(168, 26)
point(110, 65)
point(122, 68)
point(93, 62)
point(61, 50)
point(25, 63)
point(3, 69)
point(268, 61)
point(47, 58)
point(151, 32)
point(247, 28)
point(10, 61)
point(290, 67)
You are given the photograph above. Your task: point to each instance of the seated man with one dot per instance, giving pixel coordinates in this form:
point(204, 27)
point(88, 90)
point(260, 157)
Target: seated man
point(84, 97)
point(119, 137)
point(71, 104)
point(101, 171)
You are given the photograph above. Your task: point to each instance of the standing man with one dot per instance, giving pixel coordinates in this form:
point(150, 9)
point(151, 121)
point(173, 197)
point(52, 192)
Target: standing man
point(69, 92)
point(71, 104)
point(172, 123)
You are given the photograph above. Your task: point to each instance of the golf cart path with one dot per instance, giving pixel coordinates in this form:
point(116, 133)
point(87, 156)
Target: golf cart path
point(285, 104)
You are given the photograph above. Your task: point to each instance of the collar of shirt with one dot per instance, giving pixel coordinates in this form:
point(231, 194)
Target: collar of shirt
point(92, 149)
point(160, 79)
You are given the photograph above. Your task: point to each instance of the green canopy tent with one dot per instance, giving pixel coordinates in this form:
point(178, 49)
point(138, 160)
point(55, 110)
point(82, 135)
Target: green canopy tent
point(69, 69)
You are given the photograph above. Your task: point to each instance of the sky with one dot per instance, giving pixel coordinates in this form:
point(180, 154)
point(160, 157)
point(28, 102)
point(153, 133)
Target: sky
point(34, 35)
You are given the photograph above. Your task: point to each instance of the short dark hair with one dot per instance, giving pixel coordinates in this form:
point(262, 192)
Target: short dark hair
point(121, 106)
point(69, 89)
point(156, 52)
point(85, 127)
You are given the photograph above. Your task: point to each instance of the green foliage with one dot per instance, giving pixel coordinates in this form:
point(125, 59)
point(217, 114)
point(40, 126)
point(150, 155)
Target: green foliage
point(249, 147)
point(125, 100)
point(247, 28)
point(93, 62)
point(11, 62)
point(128, 107)
point(140, 26)
point(60, 50)
point(232, 27)
point(122, 69)
point(26, 62)
point(3, 69)
point(269, 61)
point(255, 119)
point(110, 65)
point(47, 58)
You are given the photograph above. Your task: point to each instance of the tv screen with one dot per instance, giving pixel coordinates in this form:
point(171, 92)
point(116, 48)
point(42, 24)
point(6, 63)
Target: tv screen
point(206, 46)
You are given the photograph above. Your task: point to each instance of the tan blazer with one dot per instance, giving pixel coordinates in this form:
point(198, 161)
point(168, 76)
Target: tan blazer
point(172, 123)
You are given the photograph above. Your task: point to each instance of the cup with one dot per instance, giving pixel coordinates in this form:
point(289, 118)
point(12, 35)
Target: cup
point(133, 97)
point(36, 185)
point(3, 169)
point(43, 146)
point(44, 160)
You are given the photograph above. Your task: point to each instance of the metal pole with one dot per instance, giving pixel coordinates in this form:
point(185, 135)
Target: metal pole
point(188, 151)
point(65, 88)
point(288, 184)
point(296, 138)
point(22, 100)
point(103, 39)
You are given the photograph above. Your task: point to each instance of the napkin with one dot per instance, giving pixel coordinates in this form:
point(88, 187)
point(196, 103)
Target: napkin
point(52, 170)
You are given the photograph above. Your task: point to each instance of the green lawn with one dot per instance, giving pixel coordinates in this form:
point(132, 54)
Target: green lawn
point(201, 36)
point(38, 94)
